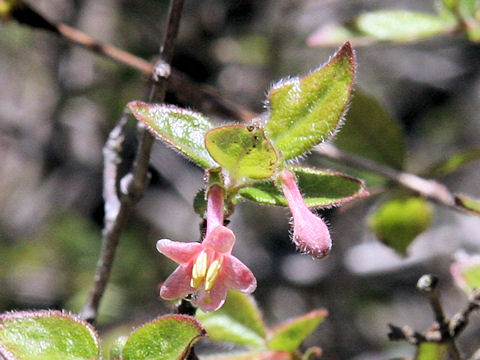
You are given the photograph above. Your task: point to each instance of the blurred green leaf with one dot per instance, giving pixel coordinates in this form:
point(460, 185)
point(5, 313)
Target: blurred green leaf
point(306, 111)
point(468, 8)
point(200, 203)
point(289, 335)
point(166, 338)
point(182, 129)
point(243, 150)
point(467, 203)
point(370, 131)
point(320, 188)
point(400, 220)
point(450, 4)
point(400, 25)
point(7, 6)
point(49, 335)
point(431, 351)
point(238, 321)
point(454, 162)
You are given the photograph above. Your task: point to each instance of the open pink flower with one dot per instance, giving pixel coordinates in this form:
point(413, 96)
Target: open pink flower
point(206, 269)
point(310, 233)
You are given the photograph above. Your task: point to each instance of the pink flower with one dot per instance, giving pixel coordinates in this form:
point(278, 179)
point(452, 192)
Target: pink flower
point(310, 233)
point(206, 269)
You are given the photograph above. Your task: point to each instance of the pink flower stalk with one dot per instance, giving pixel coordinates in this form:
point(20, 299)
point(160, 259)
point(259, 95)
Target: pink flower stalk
point(206, 269)
point(310, 233)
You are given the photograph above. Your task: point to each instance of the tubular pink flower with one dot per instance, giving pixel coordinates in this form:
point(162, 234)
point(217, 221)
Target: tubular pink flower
point(208, 269)
point(310, 233)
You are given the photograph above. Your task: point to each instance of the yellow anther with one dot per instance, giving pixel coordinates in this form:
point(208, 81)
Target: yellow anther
point(199, 270)
point(212, 274)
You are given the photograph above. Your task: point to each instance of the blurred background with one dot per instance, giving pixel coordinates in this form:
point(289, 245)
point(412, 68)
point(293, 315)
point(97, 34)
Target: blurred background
point(58, 103)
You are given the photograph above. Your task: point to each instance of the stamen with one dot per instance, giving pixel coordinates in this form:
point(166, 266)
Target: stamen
point(199, 270)
point(212, 274)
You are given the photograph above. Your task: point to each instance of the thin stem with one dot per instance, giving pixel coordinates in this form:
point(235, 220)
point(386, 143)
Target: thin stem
point(430, 189)
point(204, 98)
point(117, 210)
point(428, 285)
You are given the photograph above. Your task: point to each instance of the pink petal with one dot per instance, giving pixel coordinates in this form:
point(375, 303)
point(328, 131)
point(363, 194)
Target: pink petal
point(178, 283)
point(310, 233)
point(214, 208)
point(237, 275)
point(221, 239)
point(180, 252)
point(214, 299)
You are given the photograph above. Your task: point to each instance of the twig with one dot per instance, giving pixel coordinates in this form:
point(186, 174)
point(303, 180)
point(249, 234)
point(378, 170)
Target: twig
point(425, 187)
point(460, 320)
point(428, 285)
point(117, 210)
point(204, 98)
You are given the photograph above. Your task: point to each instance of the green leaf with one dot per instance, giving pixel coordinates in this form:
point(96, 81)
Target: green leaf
point(450, 4)
point(400, 25)
point(289, 335)
point(243, 150)
point(182, 129)
point(370, 131)
point(200, 203)
point(466, 271)
point(320, 188)
point(166, 338)
point(454, 162)
point(400, 220)
point(468, 8)
point(238, 321)
point(117, 347)
point(467, 203)
point(306, 111)
point(431, 351)
point(48, 335)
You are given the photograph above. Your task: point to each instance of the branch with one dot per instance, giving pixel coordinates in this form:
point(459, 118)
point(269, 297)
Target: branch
point(428, 285)
point(204, 98)
point(425, 187)
point(117, 210)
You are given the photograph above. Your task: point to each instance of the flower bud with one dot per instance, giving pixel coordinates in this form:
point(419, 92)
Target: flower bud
point(310, 233)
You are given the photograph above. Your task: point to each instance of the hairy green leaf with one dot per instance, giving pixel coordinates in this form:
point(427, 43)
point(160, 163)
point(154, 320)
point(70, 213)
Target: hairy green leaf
point(166, 338)
point(289, 335)
point(49, 335)
point(431, 351)
point(306, 111)
point(370, 131)
point(243, 150)
point(320, 188)
point(238, 321)
point(400, 220)
point(182, 129)
point(401, 25)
